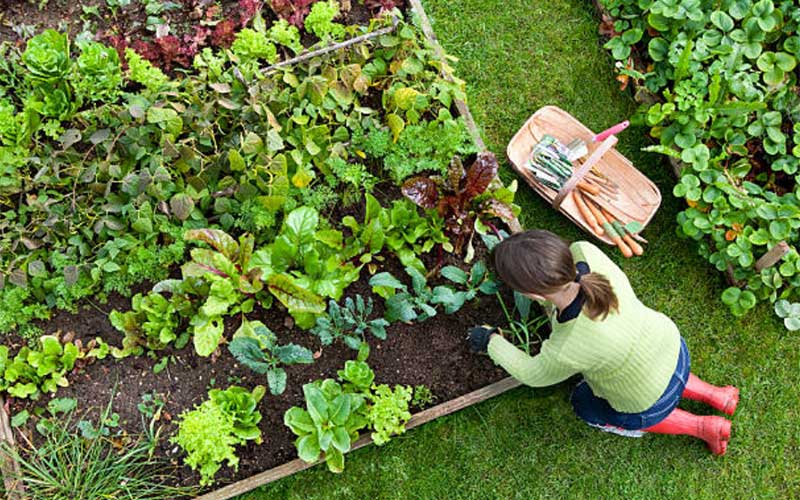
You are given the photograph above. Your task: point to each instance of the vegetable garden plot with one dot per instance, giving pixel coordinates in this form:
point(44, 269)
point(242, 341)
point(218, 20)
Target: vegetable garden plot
point(235, 208)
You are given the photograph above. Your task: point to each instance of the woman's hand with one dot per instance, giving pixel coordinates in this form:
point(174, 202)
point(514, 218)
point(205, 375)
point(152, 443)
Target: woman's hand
point(479, 337)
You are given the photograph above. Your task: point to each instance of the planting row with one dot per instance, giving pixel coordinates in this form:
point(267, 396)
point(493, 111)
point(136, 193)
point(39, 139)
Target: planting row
point(724, 78)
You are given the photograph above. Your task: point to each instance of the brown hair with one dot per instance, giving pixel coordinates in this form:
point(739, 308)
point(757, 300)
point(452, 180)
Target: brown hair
point(540, 262)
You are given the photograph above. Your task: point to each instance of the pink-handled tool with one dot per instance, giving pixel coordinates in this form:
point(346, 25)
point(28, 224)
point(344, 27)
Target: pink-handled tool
point(616, 129)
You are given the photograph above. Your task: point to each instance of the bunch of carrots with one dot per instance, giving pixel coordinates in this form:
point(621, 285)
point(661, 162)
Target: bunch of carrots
point(603, 223)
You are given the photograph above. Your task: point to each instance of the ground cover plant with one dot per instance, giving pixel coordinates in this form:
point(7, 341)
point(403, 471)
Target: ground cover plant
point(724, 77)
point(202, 217)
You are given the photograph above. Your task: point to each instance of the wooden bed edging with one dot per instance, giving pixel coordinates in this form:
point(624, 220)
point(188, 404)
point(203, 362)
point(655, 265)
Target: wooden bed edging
point(418, 419)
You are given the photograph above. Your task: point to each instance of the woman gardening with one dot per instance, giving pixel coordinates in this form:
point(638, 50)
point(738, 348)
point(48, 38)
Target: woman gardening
point(633, 359)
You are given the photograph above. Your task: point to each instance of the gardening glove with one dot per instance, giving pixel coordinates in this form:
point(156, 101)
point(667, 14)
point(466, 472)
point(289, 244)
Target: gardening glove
point(478, 337)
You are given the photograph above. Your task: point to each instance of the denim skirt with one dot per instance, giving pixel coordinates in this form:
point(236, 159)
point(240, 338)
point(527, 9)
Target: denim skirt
point(597, 411)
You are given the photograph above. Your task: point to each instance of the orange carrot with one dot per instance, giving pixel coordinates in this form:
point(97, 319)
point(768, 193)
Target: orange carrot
point(611, 232)
point(587, 214)
point(635, 247)
point(589, 188)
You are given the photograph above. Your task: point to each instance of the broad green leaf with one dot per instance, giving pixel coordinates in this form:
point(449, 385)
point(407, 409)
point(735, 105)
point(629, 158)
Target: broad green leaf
point(308, 448)
point(207, 334)
point(298, 420)
point(219, 240)
point(295, 298)
point(455, 274)
point(276, 379)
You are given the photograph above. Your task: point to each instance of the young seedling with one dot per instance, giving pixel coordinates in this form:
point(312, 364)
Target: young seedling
point(526, 327)
point(256, 347)
point(477, 280)
point(349, 323)
point(402, 304)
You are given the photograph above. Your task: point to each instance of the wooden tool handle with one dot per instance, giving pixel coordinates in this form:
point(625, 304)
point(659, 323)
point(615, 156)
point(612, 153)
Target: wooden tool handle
point(584, 169)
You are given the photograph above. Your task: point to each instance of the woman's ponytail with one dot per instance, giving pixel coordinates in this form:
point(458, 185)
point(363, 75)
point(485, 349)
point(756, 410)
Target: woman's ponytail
point(600, 297)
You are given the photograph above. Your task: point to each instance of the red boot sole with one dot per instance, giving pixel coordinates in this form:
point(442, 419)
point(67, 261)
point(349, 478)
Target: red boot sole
point(733, 400)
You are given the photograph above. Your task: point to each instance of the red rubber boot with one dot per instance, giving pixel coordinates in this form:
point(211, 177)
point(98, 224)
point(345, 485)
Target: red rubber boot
point(715, 431)
point(723, 399)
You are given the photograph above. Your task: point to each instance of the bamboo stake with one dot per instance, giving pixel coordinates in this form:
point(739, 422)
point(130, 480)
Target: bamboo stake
point(8, 464)
point(305, 56)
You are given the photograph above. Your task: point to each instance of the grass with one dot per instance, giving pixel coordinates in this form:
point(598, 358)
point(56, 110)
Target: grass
point(517, 56)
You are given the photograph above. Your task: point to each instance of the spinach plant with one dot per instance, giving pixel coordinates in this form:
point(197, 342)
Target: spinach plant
point(256, 347)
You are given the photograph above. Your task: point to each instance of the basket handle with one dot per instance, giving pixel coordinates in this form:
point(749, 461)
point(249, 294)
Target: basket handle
point(584, 169)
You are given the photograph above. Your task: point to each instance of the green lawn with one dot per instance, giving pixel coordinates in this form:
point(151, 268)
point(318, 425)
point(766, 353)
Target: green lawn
point(517, 56)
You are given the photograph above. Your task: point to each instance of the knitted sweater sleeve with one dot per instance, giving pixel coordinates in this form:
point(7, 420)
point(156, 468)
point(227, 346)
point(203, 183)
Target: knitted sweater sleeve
point(537, 371)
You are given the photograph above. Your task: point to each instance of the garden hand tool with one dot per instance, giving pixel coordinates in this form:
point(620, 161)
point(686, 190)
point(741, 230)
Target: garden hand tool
point(578, 148)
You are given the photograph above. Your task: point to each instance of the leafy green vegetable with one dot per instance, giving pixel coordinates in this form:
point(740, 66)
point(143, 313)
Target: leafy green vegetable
point(141, 71)
point(402, 305)
point(287, 35)
point(99, 73)
point(252, 45)
point(46, 57)
point(320, 20)
point(350, 323)
point(388, 412)
point(256, 347)
point(329, 424)
point(209, 433)
point(478, 280)
point(41, 370)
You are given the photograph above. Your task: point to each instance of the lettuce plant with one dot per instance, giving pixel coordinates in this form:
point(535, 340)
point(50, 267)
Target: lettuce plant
point(41, 370)
point(462, 196)
point(252, 45)
point(99, 73)
point(209, 433)
point(283, 33)
point(47, 57)
point(388, 411)
point(329, 424)
point(320, 21)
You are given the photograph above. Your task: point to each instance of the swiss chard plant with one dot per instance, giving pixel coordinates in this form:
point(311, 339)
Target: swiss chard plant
point(462, 196)
point(350, 323)
point(256, 347)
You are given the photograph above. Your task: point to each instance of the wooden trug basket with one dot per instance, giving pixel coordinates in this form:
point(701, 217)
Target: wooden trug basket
point(638, 197)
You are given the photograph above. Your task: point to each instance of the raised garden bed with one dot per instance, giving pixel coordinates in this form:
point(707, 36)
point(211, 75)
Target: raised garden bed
point(432, 353)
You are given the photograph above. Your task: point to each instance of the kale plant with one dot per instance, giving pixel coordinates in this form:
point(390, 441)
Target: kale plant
point(402, 304)
point(478, 280)
point(350, 323)
point(256, 347)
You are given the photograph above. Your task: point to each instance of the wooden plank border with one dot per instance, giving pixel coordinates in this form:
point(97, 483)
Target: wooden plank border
point(463, 109)
point(9, 468)
point(418, 419)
